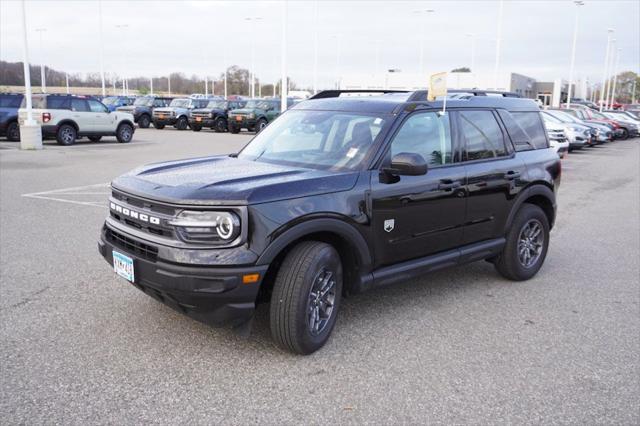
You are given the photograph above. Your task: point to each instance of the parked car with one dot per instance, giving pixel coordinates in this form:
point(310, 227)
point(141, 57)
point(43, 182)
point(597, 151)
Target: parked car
point(578, 135)
point(214, 115)
point(340, 195)
point(591, 116)
point(600, 133)
point(142, 108)
point(177, 113)
point(255, 115)
point(114, 102)
point(632, 108)
point(557, 138)
point(584, 102)
point(626, 122)
point(68, 117)
point(9, 105)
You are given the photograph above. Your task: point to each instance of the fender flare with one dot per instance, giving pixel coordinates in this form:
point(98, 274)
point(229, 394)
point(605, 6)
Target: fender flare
point(126, 122)
point(311, 226)
point(68, 121)
point(535, 189)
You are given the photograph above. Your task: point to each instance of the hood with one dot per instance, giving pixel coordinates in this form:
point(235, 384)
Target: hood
point(170, 109)
point(245, 111)
point(224, 180)
point(129, 108)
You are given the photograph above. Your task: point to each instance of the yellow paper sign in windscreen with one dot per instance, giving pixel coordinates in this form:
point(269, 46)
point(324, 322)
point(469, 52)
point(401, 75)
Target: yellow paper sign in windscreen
point(437, 86)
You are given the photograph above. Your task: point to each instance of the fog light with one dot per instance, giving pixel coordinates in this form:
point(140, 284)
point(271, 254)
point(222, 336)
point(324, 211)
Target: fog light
point(250, 278)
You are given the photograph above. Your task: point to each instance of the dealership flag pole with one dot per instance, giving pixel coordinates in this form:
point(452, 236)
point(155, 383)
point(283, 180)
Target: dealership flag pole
point(606, 71)
point(30, 131)
point(615, 78)
point(612, 55)
point(315, 49)
point(578, 3)
point(283, 59)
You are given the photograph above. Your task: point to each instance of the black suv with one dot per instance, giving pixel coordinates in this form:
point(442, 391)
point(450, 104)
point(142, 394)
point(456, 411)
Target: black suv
point(214, 115)
point(142, 108)
point(338, 196)
point(9, 105)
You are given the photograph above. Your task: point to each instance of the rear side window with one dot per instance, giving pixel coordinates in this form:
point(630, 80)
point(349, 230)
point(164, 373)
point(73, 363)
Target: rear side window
point(482, 134)
point(531, 123)
point(10, 101)
point(79, 105)
point(521, 140)
point(58, 102)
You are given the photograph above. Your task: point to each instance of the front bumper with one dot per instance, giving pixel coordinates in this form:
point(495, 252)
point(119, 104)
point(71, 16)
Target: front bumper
point(212, 295)
point(243, 123)
point(168, 121)
point(204, 122)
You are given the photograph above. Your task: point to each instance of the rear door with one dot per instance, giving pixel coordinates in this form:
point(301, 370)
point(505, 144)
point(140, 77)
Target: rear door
point(494, 174)
point(420, 215)
point(82, 115)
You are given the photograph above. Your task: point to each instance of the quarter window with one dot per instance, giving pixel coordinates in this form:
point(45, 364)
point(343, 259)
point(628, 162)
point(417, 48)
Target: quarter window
point(483, 136)
point(427, 134)
point(531, 123)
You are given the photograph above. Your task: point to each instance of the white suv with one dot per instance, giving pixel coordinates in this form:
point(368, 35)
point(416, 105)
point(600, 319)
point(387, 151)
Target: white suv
point(68, 117)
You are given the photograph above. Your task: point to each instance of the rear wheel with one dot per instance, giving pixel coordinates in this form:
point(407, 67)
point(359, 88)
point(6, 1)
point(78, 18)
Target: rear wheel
point(144, 121)
point(66, 135)
point(124, 134)
point(221, 125)
point(526, 246)
point(13, 131)
point(306, 297)
point(95, 138)
point(625, 134)
point(182, 123)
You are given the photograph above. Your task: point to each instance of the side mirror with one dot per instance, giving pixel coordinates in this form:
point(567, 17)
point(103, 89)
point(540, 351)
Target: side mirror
point(407, 164)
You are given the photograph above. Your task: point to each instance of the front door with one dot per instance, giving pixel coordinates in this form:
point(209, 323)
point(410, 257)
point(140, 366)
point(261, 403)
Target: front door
point(103, 120)
point(419, 215)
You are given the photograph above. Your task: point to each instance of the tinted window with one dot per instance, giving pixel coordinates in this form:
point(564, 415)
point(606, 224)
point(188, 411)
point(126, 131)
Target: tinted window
point(58, 102)
point(427, 134)
point(96, 106)
point(9, 101)
point(79, 105)
point(532, 124)
point(483, 135)
point(521, 140)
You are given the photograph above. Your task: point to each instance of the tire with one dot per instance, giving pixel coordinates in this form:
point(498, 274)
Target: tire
point(124, 133)
point(144, 121)
point(66, 134)
point(512, 263)
point(625, 135)
point(295, 314)
point(182, 123)
point(196, 127)
point(260, 125)
point(13, 131)
point(95, 138)
point(158, 126)
point(234, 129)
point(220, 125)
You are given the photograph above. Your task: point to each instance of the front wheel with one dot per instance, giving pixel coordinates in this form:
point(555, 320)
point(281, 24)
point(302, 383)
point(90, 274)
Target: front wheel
point(13, 131)
point(124, 134)
point(306, 297)
point(526, 246)
point(144, 122)
point(221, 125)
point(182, 123)
point(234, 129)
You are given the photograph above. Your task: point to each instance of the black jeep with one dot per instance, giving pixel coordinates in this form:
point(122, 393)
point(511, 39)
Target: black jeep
point(339, 195)
point(142, 108)
point(214, 115)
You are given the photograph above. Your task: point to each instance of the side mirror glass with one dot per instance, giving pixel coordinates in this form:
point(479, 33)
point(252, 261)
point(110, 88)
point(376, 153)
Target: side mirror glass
point(408, 164)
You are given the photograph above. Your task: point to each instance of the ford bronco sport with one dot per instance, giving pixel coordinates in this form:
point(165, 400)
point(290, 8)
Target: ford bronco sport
point(214, 115)
point(142, 108)
point(177, 113)
point(338, 195)
point(255, 115)
point(9, 105)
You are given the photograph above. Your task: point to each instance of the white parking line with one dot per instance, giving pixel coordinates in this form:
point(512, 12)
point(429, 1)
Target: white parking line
point(55, 194)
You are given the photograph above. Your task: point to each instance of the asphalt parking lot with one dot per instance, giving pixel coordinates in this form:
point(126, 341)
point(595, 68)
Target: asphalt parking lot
point(80, 345)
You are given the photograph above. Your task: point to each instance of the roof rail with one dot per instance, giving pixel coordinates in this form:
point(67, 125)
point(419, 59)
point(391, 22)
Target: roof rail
point(477, 92)
point(336, 93)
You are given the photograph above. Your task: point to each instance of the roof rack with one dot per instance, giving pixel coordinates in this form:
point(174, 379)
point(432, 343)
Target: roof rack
point(421, 95)
point(336, 93)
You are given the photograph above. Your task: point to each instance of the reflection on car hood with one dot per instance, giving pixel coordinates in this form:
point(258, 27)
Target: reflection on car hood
point(223, 180)
point(245, 111)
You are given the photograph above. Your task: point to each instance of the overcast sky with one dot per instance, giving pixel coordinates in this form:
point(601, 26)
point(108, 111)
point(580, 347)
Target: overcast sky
point(192, 36)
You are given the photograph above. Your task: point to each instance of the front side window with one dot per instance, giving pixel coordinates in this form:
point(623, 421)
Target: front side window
point(96, 106)
point(180, 103)
point(330, 140)
point(483, 136)
point(427, 134)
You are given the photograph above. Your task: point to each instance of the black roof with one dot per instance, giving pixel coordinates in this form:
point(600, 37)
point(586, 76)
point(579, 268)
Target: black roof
point(393, 101)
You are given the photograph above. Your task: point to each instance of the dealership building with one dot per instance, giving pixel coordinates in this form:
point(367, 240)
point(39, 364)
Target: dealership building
point(549, 93)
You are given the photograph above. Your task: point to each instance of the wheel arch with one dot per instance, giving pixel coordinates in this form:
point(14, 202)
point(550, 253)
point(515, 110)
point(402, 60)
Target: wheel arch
point(69, 121)
point(126, 121)
point(349, 243)
point(540, 194)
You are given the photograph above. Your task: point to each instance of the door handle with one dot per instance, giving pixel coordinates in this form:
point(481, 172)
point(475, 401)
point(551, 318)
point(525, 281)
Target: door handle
point(511, 175)
point(448, 184)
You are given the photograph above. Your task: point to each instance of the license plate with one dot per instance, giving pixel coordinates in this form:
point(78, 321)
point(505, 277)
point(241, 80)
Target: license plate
point(238, 118)
point(162, 116)
point(198, 118)
point(123, 266)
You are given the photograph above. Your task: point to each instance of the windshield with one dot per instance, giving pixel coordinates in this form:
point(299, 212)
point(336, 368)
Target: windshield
point(551, 118)
point(332, 140)
point(143, 102)
point(563, 116)
point(217, 104)
point(110, 100)
point(180, 103)
point(256, 103)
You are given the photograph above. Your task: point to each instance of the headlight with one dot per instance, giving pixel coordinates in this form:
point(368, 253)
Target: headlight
point(210, 115)
point(252, 115)
point(216, 227)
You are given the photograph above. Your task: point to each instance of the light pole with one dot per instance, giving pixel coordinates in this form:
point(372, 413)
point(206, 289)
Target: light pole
point(252, 20)
point(43, 78)
point(169, 83)
point(30, 131)
point(338, 38)
point(66, 77)
point(104, 90)
point(615, 78)
point(498, 41)
point(578, 3)
point(123, 27)
point(226, 70)
point(422, 25)
point(606, 63)
point(315, 49)
point(612, 54)
point(283, 58)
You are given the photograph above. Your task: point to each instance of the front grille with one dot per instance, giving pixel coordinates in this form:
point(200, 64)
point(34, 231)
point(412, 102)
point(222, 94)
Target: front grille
point(200, 114)
point(131, 245)
point(151, 208)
